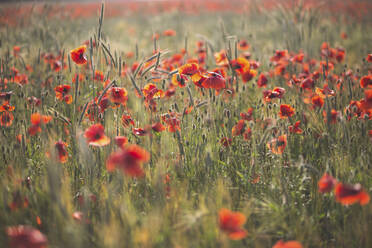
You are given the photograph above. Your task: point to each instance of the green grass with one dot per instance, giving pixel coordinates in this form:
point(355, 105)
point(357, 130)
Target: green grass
point(284, 204)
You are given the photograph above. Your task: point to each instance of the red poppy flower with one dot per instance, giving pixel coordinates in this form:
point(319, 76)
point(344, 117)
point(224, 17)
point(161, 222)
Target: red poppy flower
point(179, 79)
point(169, 32)
point(61, 151)
point(118, 95)
point(277, 145)
point(307, 83)
point(129, 160)
point(350, 194)
point(62, 93)
point(243, 45)
point(150, 91)
point(95, 135)
point(231, 223)
point(286, 111)
point(247, 75)
point(369, 58)
point(36, 121)
point(240, 65)
point(98, 75)
point(188, 69)
point(279, 55)
point(366, 81)
point(248, 116)
point(171, 119)
point(6, 119)
point(126, 120)
point(317, 101)
point(214, 81)
point(334, 116)
point(139, 131)
point(239, 128)
point(262, 80)
point(78, 56)
point(6, 107)
point(225, 141)
point(16, 50)
point(26, 236)
point(326, 183)
point(221, 59)
point(158, 127)
point(288, 244)
point(121, 141)
point(295, 128)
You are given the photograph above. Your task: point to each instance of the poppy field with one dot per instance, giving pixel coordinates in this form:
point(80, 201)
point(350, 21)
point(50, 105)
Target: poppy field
point(238, 123)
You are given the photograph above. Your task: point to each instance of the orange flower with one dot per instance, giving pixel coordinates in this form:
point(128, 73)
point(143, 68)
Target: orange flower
point(231, 223)
point(262, 80)
point(188, 69)
point(295, 128)
point(288, 244)
point(169, 32)
point(366, 81)
point(118, 95)
point(61, 151)
point(277, 145)
point(286, 111)
point(214, 81)
point(150, 91)
point(26, 236)
point(78, 56)
point(62, 93)
point(129, 160)
point(121, 141)
point(350, 194)
point(179, 79)
point(317, 101)
point(239, 128)
point(243, 45)
point(36, 121)
point(221, 58)
point(158, 127)
point(247, 75)
point(95, 136)
point(171, 119)
point(369, 58)
point(248, 115)
point(126, 120)
point(6, 119)
point(326, 183)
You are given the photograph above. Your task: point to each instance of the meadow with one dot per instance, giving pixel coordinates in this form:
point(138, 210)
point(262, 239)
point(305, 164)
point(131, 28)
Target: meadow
point(186, 124)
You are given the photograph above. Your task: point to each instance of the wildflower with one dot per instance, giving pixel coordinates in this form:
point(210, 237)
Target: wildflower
point(6, 119)
point(295, 128)
point(334, 115)
point(188, 69)
point(231, 223)
point(179, 79)
point(158, 127)
point(61, 151)
point(288, 244)
point(326, 183)
point(243, 45)
point(121, 141)
point(171, 119)
point(221, 58)
point(169, 32)
point(26, 236)
point(277, 145)
point(248, 115)
point(139, 131)
point(118, 95)
point(350, 194)
point(78, 56)
point(225, 141)
point(248, 74)
point(95, 136)
point(214, 81)
point(129, 160)
point(126, 120)
point(36, 121)
point(366, 81)
point(239, 128)
point(286, 111)
point(62, 93)
point(262, 80)
point(317, 101)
